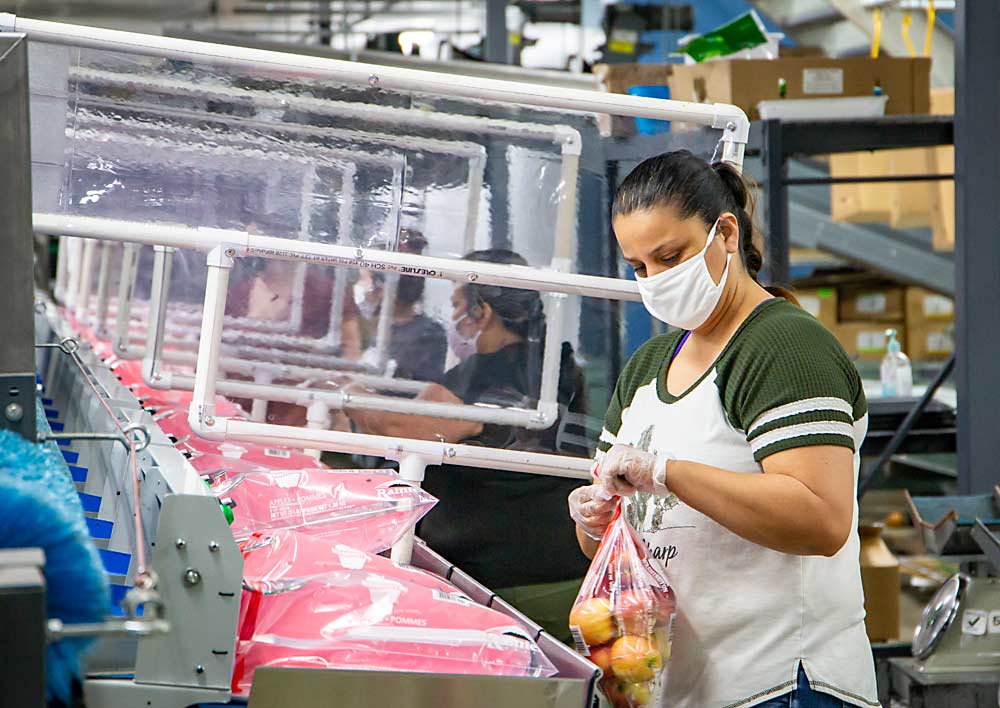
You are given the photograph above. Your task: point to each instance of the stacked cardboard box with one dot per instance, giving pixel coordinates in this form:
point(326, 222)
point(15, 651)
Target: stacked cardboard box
point(864, 315)
point(821, 303)
point(859, 316)
point(930, 323)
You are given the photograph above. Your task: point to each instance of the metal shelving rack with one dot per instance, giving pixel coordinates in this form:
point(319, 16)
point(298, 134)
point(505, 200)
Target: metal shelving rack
point(778, 141)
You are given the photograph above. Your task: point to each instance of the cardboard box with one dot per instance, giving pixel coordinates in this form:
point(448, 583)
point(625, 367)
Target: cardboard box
point(930, 341)
point(872, 304)
point(880, 582)
point(619, 78)
point(867, 340)
point(821, 303)
point(924, 306)
point(910, 202)
point(746, 82)
point(942, 162)
point(863, 203)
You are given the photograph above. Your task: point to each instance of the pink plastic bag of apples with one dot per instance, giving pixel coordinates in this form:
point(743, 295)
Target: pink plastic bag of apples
point(623, 618)
point(366, 509)
point(363, 620)
point(284, 554)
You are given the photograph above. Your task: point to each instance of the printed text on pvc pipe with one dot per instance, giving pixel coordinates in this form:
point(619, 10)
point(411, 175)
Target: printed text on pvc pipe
point(339, 260)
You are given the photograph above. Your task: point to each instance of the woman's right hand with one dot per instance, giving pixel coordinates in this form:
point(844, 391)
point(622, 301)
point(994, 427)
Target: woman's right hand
point(592, 508)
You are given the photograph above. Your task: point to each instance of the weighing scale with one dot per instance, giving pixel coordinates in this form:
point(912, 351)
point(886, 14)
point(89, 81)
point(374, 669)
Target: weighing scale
point(956, 647)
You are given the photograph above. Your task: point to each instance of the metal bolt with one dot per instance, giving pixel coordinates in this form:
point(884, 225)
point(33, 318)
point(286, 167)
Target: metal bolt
point(180, 543)
point(209, 421)
point(360, 254)
point(450, 452)
point(192, 577)
point(13, 412)
point(199, 669)
point(157, 376)
point(473, 277)
point(230, 252)
point(373, 80)
point(730, 125)
point(213, 546)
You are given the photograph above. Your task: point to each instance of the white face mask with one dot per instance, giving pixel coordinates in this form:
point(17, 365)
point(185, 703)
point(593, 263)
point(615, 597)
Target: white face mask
point(366, 308)
point(463, 345)
point(684, 296)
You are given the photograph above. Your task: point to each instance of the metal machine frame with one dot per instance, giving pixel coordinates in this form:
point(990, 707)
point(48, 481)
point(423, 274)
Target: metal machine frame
point(17, 375)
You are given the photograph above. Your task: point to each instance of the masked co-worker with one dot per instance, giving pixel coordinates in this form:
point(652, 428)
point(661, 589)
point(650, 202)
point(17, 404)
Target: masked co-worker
point(734, 442)
point(507, 529)
point(416, 342)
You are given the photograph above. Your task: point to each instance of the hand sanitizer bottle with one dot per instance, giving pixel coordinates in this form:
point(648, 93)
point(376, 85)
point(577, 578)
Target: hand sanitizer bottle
point(897, 373)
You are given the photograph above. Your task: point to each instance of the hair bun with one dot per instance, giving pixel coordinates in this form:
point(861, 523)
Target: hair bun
point(734, 182)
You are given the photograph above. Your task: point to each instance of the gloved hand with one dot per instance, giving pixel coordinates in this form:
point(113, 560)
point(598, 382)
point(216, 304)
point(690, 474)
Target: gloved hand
point(626, 470)
point(592, 507)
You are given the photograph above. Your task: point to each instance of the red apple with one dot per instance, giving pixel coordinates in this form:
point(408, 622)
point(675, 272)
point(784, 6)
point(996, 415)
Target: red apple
point(601, 657)
point(666, 605)
point(594, 619)
point(635, 659)
point(636, 612)
point(611, 688)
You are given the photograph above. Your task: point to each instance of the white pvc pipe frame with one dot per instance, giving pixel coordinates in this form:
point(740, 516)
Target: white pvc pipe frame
point(731, 120)
point(474, 152)
point(413, 455)
point(567, 138)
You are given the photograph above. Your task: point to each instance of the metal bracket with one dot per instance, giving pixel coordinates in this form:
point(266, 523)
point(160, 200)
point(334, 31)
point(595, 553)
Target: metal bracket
point(200, 570)
point(141, 440)
point(149, 623)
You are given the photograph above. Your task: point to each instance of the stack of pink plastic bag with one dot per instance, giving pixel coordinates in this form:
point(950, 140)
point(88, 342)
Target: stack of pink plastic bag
point(310, 602)
point(316, 594)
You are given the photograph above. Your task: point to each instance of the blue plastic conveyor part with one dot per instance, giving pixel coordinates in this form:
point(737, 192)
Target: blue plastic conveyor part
point(91, 502)
point(48, 402)
point(99, 528)
point(117, 595)
point(71, 457)
point(51, 413)
point(79, 474)
point(56, 426)
point(115, 562)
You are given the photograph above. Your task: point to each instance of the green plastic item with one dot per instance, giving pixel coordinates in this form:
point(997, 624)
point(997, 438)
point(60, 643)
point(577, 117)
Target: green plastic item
point(745, 32)
point(227, 510)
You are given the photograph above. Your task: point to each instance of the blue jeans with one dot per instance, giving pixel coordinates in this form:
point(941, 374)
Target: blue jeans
point(804, 697)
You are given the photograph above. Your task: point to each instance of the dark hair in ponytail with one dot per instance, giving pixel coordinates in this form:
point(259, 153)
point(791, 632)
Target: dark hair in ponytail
point(693, 187)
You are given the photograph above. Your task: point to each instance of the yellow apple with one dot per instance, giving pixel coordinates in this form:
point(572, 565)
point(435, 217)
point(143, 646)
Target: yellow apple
point(637, 694)
point(595, 621)
point(635, 659)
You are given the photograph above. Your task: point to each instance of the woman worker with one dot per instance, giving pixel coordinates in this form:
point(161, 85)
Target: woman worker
point(507, 529)
point(734, 443)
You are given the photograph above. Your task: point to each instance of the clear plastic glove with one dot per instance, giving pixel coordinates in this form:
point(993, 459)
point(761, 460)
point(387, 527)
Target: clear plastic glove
point(625, 470)
point(592, 508)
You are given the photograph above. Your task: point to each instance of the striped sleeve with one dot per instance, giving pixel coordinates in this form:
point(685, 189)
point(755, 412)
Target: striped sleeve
point(612, 424)
point(795, 387)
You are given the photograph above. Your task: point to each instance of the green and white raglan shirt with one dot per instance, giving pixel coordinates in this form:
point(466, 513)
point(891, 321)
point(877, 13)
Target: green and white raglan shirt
point(747, 616)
